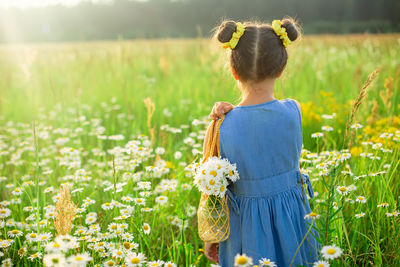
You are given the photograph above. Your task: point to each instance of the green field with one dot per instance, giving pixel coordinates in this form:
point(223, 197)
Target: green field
point(75, 114)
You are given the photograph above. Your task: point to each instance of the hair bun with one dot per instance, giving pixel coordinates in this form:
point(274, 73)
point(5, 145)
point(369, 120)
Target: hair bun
point(225, 31)
point(292, 29)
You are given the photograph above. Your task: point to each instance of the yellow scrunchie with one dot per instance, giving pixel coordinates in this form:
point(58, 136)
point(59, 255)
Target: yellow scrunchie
point(281, 32)
point(235, 37)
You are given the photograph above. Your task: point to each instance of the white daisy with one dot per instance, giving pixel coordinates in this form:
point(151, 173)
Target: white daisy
point(331, 252)
point(241, 260)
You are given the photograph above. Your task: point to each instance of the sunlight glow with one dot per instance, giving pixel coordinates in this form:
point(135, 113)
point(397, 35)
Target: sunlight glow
point(42, 3)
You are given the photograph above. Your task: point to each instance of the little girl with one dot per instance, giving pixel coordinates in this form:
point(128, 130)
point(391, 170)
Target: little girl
point(263, 136)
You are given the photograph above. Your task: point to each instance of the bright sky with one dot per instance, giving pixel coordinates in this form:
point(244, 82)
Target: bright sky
point(41, 3)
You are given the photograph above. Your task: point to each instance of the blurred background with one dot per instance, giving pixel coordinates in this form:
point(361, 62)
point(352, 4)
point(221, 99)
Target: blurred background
point(83, 20)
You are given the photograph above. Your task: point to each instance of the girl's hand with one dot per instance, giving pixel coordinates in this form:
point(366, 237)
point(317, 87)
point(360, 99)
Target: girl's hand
point(211, 251)
point(219, 109)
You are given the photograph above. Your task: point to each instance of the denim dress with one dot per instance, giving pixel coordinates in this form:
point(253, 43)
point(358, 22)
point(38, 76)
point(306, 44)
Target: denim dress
point(266, 204)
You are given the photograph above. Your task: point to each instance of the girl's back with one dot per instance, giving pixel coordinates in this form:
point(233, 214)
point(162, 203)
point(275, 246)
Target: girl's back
point(266, 206)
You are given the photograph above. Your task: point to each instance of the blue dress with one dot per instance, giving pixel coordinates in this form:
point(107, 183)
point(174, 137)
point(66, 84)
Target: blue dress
point(266, 205)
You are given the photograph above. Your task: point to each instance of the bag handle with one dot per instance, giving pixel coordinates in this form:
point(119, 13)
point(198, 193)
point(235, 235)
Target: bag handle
point(213, 139)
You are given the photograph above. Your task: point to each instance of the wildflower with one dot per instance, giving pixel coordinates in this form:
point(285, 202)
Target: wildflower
point(157, 263)
point(266, 262)
point(161, 200)
point(4, 212)
point(384, 204)
point(342, 190)
point(54, 260)
point(317, 134)
point(312, 215)
point(327, 128)
point(394, 213)
point(160, 150)
point(5, 244)
point(361, 199)
point(44, 237)
point(360, 215)
point(386, 135)
point(241, 260)
point(80, 259)
point(32, 237)
point(331, 252)
point(177, 155)
point(169, 264)
point(321, 264)
point(15, 233)
point(356, 126)
point(135, 259)
point(146, 228)
point(35, 256)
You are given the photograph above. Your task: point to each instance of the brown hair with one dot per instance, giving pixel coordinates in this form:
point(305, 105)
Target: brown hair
point(260, 53)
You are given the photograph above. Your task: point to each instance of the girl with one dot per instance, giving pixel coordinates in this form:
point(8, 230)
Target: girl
point(263, 136)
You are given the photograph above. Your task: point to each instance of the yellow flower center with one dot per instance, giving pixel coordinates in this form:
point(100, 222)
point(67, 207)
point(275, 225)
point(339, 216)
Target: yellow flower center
point(222, 188)
point(320, 265)
point(342, 188)
point(78, 258)
point(203, 172)
point(119, 253)
point(146, 227)
point(135, 260)
point(56, 245)
point(110, 263)
point(241, 260)
point(312, 214)
point(212, 182)
point(230, 173)
point(331, 251)
point(14, 231)
point(213, 173)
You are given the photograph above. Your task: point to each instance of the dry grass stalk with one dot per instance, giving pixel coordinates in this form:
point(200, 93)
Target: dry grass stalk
point(374, 113)
point(359, 100)
point(387, 95)
point(65, 212)
point(150, 106)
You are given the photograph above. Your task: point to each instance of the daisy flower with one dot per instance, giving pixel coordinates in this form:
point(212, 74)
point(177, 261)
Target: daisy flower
point(34, 256)
point(135, 259)
point(384, 204)
point(80, 259)
point(169, 264)
point(266, 262)
point(343, 190)
point(312, 215)
point(331, 252)
point(54, 260)
point(146, 228)
point(157, 263)
point(321, 264)
point(361, 199)
point(360, 215)
point(241, 260)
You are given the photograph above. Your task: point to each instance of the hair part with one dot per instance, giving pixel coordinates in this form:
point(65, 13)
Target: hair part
point(260, 52)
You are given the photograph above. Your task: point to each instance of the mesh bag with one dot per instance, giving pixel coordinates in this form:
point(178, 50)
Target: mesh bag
point(213, 212)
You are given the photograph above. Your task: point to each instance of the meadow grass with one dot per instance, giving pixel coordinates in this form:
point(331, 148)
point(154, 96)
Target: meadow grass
point(106, 120)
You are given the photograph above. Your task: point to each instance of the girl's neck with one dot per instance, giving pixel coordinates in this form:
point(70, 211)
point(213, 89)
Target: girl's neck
point(257, 93)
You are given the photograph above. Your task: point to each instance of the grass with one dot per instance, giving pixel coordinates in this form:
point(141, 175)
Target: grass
point(64, 107)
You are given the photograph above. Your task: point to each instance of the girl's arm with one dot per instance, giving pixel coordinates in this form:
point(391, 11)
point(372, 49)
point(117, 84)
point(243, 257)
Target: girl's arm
point(219, 109)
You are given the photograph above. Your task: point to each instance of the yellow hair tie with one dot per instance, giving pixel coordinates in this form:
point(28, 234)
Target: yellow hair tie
point(235, 37)
point(281, 32)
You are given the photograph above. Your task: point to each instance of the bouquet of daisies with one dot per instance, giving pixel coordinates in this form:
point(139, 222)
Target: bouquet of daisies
point(211, 178)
